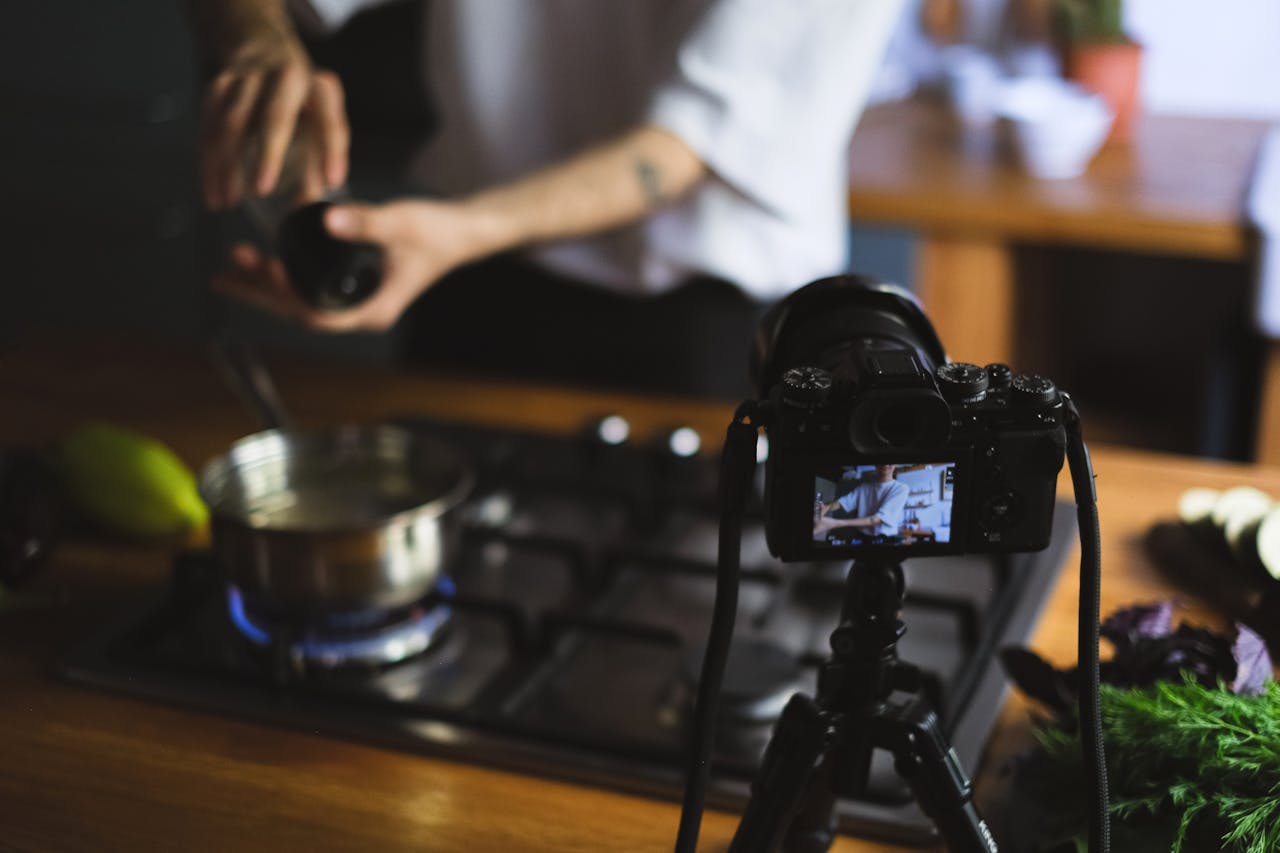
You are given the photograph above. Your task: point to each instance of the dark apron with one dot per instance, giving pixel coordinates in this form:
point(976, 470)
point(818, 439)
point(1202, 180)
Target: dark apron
point(508, 319)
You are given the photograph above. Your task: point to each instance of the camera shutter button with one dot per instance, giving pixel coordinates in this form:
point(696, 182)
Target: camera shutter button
point(961, 382)
point(807, 387)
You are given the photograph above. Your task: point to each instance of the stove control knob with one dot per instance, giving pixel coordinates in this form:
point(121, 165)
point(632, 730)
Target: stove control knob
point(964, 383)
point(806, 387)
point(1031, 390)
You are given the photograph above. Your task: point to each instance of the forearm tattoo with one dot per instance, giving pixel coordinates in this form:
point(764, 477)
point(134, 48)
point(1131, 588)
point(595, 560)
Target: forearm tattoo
point(650, 178)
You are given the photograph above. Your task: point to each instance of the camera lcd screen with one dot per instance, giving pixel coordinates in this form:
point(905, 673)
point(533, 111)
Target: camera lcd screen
point(884, 505)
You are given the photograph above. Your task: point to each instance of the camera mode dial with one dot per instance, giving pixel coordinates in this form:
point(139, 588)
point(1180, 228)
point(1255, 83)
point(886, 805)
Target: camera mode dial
point(1000, 376)
point(1033, 390)
point(807, 387)
point(961, 382)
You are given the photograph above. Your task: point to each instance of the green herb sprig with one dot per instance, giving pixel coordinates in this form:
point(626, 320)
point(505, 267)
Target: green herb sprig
point(1192, 763)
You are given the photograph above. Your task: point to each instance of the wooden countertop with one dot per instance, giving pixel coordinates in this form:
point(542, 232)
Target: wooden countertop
point(1179, 188)
point(82, 769)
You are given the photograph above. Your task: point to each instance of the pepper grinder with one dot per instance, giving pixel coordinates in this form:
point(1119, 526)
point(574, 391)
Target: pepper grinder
point(328, 273)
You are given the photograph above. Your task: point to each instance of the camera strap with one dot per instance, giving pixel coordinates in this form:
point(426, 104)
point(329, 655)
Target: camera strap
point(1091, 741)
point(737, 463)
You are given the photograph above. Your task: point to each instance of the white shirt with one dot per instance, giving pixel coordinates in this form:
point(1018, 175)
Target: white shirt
point(766, 92)
point(886, 500)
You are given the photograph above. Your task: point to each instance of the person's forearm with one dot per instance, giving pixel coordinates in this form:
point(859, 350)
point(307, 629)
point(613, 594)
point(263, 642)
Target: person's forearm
point(869, 521)
point(228, 27)
point(605, 187)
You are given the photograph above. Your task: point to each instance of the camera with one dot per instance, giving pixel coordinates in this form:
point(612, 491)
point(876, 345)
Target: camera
point(879, 446)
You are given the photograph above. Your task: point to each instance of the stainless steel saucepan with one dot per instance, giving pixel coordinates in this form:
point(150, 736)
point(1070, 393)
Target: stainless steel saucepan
point(336, 520)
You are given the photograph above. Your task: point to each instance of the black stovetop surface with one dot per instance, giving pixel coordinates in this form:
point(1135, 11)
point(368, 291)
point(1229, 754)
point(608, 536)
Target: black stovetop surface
point(581, 602)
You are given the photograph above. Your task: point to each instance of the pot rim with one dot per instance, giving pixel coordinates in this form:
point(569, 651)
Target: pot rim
point(281, 442)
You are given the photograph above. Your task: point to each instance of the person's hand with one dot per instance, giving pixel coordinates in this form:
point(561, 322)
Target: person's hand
point(267, 91)
point(420, 241)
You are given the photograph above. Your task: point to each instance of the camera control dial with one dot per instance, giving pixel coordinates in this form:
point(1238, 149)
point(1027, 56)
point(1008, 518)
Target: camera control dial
point(807, 386)
point(1000, 376)
point(961, 382)
point(1032, 390)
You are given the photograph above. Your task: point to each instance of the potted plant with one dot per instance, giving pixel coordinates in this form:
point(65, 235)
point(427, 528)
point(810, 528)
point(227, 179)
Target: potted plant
point(1098, 54)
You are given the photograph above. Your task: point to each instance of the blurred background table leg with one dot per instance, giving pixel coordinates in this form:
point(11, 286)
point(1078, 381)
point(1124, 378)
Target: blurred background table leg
point(1267, 444)
point(967, 287)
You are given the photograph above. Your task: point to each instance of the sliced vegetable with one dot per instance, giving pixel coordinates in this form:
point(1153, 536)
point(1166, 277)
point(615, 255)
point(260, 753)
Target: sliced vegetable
point(1196, 505)
point(1267, 543)
point(1237, 500)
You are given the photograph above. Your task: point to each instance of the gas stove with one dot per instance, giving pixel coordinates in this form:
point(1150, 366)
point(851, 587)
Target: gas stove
point(566, 639)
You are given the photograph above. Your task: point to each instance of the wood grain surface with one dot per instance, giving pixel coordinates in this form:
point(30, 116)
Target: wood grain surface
point(83, 769)
point(1177, 189)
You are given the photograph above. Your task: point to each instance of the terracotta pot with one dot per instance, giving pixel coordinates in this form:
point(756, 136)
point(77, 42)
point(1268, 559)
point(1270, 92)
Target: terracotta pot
point(1111, 69)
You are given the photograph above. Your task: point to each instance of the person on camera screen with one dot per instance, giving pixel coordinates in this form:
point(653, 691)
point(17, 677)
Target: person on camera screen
point(868, 510)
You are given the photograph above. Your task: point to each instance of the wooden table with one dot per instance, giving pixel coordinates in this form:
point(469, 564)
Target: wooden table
point(1178, 189)
point(82, 769)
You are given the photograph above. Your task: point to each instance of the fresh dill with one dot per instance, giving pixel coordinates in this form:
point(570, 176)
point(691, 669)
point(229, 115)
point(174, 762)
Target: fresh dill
point(1198, 766)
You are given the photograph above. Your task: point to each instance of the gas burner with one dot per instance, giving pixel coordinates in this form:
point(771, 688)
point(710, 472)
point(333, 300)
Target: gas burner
point(365, 638)
point(760, 676)
point(585, 586)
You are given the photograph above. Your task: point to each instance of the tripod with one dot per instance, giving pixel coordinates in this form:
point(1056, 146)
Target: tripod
point(821, 747)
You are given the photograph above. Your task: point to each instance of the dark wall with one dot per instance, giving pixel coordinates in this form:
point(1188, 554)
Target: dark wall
point(1159, 352)
point(100, 220)
point(101, 223)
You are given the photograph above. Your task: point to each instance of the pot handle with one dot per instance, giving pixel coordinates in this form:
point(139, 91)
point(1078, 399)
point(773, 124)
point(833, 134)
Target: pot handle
point(244, 372)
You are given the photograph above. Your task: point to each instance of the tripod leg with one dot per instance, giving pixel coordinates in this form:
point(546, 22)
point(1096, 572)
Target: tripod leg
point(941, 788)
point(814, 826)
point(814, 756)
point(795, 750)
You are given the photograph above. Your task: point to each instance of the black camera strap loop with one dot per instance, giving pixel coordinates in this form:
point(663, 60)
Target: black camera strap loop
point(1091, 741)
point(737, 462)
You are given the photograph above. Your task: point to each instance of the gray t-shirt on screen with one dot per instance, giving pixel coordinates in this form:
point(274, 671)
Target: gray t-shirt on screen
point(886, 500)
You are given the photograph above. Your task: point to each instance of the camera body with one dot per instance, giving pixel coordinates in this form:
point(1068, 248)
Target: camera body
point(880, 447)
